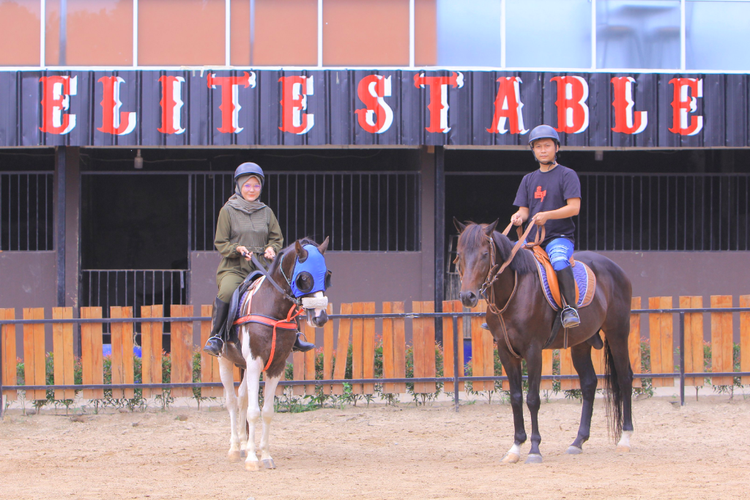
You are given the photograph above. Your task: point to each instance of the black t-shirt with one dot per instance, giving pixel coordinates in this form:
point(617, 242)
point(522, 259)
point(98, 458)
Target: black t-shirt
point(544, 191)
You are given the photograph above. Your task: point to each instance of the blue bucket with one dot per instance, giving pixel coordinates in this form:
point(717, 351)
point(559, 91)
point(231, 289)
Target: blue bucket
point(107, 350)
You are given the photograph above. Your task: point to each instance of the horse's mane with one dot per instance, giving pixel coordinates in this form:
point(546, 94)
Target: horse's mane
point(522, 263)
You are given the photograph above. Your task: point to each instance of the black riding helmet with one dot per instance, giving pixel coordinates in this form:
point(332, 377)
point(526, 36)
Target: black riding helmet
point(249, 168)
point(543, 132)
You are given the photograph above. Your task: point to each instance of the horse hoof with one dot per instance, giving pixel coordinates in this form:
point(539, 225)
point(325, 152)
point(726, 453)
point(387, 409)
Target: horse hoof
point(234, 456)
point(534, 459)
point(252, 466)
point(268, 463)
point(623, 449)
point(573, 450)
point(511, 458)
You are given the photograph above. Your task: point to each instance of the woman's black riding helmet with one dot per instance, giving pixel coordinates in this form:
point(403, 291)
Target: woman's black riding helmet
point(250, 168)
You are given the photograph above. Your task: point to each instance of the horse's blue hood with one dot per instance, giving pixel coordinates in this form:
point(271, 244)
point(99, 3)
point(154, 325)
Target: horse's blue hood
point(315, 265)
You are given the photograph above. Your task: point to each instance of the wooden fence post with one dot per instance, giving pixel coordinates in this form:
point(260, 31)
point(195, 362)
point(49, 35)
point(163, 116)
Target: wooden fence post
point(151, 348)
point(368, 348)
point(449, 346)
point(721, 340)
point(661, 342)
point(634, 340)
point(342, 349)
point(209, 364)
point(10, 357)
point(693, 339)
point(424, 347)
point(62, 348)
point(745, 338)
point(181, 350)
point(92, 357)
point(122, 362)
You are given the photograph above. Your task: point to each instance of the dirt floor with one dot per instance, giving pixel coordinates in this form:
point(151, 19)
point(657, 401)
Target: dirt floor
point(699, 451)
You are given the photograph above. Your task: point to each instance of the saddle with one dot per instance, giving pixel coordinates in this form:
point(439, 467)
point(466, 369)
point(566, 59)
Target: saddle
point(234, 305)
point(584, 277)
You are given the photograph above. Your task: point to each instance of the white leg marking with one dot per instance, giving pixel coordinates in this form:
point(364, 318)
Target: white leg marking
point(252, 383)
point(624, 444)
point(513, 455)
point(269, 392)
point(226, 372)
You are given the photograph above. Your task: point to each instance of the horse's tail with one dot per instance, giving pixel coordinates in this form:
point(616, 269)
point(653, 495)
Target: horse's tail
point(614, 394)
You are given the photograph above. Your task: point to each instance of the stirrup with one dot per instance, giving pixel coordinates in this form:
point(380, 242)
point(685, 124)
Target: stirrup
point(300, 345)
point(214, 346)
point(570, 318)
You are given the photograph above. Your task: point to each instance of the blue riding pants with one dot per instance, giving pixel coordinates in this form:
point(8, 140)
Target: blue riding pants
point(560, 250)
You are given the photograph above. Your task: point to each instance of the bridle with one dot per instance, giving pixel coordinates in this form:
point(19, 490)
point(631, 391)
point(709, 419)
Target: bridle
point(494, 273)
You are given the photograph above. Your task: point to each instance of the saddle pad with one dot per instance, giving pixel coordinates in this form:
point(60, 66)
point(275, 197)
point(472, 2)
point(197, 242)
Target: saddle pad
point(584, 277)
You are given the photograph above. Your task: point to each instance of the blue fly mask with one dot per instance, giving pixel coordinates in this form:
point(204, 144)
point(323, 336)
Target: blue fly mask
point(310, 275)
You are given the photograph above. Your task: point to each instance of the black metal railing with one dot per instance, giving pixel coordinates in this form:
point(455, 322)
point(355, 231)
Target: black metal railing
point(26, 211)
point(358, 211)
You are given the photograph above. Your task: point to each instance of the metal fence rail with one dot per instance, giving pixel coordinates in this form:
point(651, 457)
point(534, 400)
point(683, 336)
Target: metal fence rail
point(26, 211)
point(359, 211)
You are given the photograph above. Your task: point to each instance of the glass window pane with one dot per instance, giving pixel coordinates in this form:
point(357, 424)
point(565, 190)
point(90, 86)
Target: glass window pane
point(425, 33)
point(716, 35)
point(181, 32)
point(279, 42)
point(100, 32)
point(366, 33)
point(548, 34)
point(468, 33)
point(19, 32)
point(638, 34)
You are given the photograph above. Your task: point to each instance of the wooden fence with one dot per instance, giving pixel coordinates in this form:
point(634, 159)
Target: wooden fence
point(364, 335)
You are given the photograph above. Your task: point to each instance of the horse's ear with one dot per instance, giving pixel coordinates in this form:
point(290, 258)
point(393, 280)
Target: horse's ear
point(459, 226)
point(491, 228)
point(323, 246)
point(301, 252)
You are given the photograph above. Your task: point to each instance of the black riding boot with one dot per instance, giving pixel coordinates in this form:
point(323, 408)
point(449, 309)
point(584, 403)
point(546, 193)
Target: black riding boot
point(218, 320)
point(299, 344)
point(567, 283)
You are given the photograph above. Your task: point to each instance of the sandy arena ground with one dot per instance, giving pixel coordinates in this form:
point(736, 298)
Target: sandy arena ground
point(699, 451)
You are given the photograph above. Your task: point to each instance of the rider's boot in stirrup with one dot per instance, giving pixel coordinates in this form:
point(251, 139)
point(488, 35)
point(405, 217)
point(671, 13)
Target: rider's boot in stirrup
point(300, 345)
point(569, 314)
point(215, 343)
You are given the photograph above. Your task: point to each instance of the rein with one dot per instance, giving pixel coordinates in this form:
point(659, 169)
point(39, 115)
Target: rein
point(265, 273)
point(493, 275)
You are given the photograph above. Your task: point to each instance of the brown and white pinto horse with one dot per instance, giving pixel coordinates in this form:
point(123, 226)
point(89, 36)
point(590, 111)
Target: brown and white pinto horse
point(522, 322)
point(266, 337)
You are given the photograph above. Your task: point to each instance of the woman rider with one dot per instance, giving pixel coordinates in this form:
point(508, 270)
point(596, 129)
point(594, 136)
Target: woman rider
point(245, 227)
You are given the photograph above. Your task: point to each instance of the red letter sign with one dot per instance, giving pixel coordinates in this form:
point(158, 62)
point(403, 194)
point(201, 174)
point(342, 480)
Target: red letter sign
point(626, 121)
point(572, 111)
point(114, 121)
point(683, 105)
point(377, 116)
point(294, 101)
point(230, 106)
point(438, 104)
point(56, 92)
point(508, 107)
point(171, 104)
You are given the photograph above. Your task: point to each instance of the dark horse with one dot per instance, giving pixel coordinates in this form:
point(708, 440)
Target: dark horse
point(522, 322)
point(265, 337)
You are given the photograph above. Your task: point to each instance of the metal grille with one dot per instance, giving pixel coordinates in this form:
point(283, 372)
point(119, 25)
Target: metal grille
point(646, 212)
point(26, 211)
point(359, 211)
point(133, 288)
